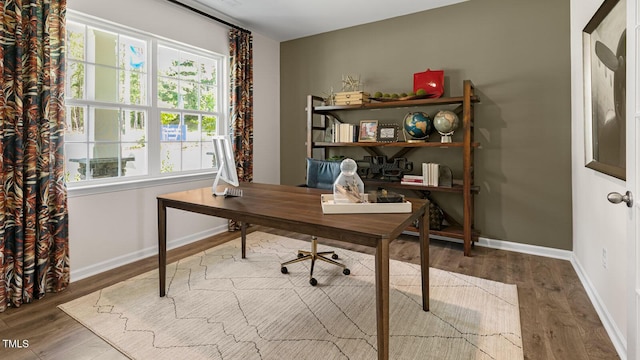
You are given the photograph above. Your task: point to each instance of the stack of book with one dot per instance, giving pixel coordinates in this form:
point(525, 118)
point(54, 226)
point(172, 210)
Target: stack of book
point(412, 180)
point(344, 133)
point(429, 177)
point(430, 174)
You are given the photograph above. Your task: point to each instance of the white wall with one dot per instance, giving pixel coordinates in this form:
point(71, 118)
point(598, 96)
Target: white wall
point(266, 112)
point(111, 228)
point(597, 224)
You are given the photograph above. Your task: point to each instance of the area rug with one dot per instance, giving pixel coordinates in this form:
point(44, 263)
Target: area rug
point(220, 306)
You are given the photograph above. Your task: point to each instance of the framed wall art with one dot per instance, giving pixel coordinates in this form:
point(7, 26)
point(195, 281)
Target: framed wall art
point(368, 131)
point(388, 132)
point(604, 55)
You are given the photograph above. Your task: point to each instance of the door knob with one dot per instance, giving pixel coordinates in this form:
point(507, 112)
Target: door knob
point(616, 198)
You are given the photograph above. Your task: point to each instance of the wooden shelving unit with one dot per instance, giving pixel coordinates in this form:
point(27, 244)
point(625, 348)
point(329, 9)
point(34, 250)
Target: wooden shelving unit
point(458, 230)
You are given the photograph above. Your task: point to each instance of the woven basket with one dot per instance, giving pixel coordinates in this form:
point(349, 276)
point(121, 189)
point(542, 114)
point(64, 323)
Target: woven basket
point(436, 217)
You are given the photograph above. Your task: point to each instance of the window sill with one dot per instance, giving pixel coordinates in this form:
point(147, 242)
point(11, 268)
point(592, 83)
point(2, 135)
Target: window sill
point(94, 189)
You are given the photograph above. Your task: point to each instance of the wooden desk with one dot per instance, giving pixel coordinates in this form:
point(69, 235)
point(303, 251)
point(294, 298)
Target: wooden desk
point(298, 209)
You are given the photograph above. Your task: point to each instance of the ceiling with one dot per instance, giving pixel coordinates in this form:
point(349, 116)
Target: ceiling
point(284, 20)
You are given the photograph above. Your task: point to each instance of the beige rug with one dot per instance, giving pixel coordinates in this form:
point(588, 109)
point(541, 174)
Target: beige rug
point(220, 306)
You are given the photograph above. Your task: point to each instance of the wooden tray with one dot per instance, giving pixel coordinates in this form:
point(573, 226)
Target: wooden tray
point(411, 97)
point(329, 207)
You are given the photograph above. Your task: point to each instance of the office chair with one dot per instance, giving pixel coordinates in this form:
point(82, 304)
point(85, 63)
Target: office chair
point(321, 174)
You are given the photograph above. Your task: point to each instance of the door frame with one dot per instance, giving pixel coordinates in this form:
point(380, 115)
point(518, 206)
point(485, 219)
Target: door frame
point(633, 180)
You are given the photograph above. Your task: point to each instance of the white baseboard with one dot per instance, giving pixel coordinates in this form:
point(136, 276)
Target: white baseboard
point(516, 247)
point(617, 338)
point(79, 274)
point(525, 248)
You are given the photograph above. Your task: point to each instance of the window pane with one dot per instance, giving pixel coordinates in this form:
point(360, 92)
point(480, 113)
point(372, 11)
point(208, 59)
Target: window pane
point(188, 67)
point(75, 41)
point(191, 156)
point(208, 127)
point(133, 54)
point(133, 87)
point(208, 98)
point(105, 161)
point(167, 93)
point(170, 157)
point(167, 61)
point(167, 118)
point(170, 127)
point(105, 83)
point(104, 51)
point(207, 155)
point(136, 159)
point(75, 161)
point(192, 123)
point(75, 80)
point(75, 130)
point(134, 126)
point(106, 127)
point(208, 71)
point(189, 95)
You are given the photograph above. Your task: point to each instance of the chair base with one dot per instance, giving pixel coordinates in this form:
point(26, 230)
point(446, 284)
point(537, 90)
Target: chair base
point(314, 255)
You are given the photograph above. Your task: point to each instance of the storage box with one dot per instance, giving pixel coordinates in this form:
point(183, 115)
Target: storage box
point(330, 207)
point(351, 98)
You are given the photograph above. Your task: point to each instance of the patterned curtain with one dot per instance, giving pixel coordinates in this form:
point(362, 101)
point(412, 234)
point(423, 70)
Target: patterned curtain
point(241, 103)
point(34, 247)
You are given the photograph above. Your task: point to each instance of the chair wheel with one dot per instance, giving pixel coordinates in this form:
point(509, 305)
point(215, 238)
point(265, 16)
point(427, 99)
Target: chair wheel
point(346, 271)
point(284, 270)
point(313, 282)
point(300, 255)
point(334, 256)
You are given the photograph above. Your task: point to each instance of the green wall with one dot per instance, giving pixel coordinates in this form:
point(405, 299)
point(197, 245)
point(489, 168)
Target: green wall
point(516, 52)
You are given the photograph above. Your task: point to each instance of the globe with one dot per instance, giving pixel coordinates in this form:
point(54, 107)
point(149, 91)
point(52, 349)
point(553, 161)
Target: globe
point(418, 125)
point(446, 122)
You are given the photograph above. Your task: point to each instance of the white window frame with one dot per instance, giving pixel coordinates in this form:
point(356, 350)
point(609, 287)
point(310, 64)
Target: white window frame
point(154, 177)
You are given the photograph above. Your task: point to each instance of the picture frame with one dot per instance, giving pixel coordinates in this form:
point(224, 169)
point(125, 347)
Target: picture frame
point(368, 131)
point(388, 132)
point(604, 59)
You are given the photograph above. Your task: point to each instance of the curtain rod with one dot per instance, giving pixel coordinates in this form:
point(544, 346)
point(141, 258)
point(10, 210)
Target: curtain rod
point(209, 16)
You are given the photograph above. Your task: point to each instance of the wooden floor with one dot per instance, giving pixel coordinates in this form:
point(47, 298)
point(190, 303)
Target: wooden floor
point(558, 320)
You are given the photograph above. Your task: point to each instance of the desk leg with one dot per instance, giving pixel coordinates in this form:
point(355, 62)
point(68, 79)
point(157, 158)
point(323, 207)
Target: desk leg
point(424, 256)
point(162, 246)
point(382, 298)
point(243, 237)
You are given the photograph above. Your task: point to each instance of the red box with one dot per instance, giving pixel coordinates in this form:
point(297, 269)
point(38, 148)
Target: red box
point(432, 81)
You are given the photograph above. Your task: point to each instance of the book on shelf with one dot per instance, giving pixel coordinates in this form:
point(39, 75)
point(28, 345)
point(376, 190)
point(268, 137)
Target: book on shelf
point(419, 181)
point(412, 177)
point(345, 133)
point(413, 183)
point(430, 174)
point(334, 132)
point(329, 127)
point(412, 180)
